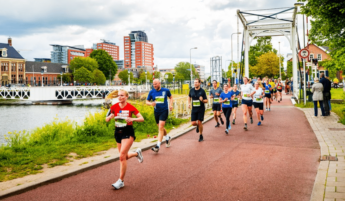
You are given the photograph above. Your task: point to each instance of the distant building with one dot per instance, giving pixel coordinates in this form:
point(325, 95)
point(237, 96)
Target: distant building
point(45, 60)
point(110, 47)
point(119, 64)
point(50, 72)
point(201, 71)
point(65, 54)
point(137, 51)
point(12, 65)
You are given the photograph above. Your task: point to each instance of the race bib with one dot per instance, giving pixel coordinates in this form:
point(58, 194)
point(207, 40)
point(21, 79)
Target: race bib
point(267, 91)
point(258, 99)
point(235, 99)
point(279, 87)
point(227, 102)
point(120, 122)
point(196, 103)
point(246, 95)
point(159, 99)
point(216, 100)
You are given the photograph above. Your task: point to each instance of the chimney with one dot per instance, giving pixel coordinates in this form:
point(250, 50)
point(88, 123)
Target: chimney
point(10, 41)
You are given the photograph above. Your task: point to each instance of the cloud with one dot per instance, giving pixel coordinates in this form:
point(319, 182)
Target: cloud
point(245, 4)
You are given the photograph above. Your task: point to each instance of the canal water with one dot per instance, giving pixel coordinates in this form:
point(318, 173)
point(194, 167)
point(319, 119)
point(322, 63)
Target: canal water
point(28, 117)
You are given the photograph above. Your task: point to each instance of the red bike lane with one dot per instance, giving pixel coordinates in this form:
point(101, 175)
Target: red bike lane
point(275, 161)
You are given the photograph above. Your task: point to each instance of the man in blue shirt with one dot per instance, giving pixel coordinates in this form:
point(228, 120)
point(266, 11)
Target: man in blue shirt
point(159, 96)
point(216, 107)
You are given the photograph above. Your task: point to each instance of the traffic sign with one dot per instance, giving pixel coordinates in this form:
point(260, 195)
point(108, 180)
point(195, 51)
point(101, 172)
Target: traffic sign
point(304, 53)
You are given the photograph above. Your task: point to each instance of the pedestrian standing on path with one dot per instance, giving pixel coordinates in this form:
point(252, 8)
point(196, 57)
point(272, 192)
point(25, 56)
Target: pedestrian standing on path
point(225, 98)
point(280, 89)
point(318, 96)
point(216, 106)
point(258, 102)
point(159, 97)
point(268, 96)
point(326, 93)
point(124, 133)
point(247, 91)
point(198, 98)
point(234, 102)
point(287, 86)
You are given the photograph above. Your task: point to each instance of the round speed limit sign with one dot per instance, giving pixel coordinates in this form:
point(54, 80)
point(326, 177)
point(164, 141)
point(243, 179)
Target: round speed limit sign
point(304, 53)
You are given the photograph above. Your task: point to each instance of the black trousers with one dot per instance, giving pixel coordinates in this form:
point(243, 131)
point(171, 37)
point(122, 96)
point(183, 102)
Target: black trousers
point(326, 98)
point(227, 114)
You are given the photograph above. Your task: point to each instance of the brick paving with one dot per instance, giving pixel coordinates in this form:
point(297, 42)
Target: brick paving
point(330, 180)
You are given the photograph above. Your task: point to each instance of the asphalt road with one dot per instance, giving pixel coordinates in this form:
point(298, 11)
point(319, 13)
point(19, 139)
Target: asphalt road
point(276, 161)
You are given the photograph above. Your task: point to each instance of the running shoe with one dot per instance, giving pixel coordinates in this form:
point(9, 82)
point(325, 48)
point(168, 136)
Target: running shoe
point(251, 120)
point(278, 101)
point(269, 109)
point(217, 125)
point(140, 155)
point(119, 184)
point(221, 121)
point(201, 138)
point(245, 127)
point(197, 129)
point(229, 127)
point(259, 123)
point(266, 109)
point(167, 144)
point(262, 117)
point(155, 149)
point(226, 131)
point(233, 121)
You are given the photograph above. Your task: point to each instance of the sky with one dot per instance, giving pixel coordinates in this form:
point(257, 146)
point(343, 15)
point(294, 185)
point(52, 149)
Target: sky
point(173, 27)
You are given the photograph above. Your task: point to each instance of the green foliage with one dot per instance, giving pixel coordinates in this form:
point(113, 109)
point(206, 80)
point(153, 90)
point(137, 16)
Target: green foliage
point(289, 69)
point(170, 77)
point(142, 76)
point(183, 68)
point(327, 27)
point(98, 77)
point(106, 64)
point(267, 65)
point(66, 77)
point(263, 45)
point(157, 74)
point(86, 62)
point(83, 75)
point(123, 75)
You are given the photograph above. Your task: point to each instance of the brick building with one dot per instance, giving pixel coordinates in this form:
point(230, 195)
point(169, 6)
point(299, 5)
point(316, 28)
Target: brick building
point(12, 65)
point(137, 51)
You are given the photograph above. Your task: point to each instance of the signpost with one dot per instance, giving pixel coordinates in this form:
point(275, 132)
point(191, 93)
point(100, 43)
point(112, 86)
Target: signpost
point(304, 53)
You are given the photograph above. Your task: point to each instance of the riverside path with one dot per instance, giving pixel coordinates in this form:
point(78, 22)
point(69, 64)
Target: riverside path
point(275, 161)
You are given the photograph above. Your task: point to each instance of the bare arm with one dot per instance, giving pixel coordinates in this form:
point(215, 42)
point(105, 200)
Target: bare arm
point(108, 118)
point(171, 103)
point(150, 103)
point(139, 118)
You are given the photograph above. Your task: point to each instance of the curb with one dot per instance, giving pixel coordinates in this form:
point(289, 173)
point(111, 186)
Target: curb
point(24, 188)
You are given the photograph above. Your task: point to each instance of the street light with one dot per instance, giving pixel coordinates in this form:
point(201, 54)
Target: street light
point(61, 77)
point(232, 56)
point(173, 72)
point(190, 64)
point(280, 73)
point(42, 76)
point(129, 75)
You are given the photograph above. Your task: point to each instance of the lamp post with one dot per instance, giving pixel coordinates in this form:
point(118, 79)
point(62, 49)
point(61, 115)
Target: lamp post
point(280, 73)
point(232, 56)
point(42, 77)
point(190, 64)
point(174, 79)
point(61, 77)
point(129, 76)
point(146, 79)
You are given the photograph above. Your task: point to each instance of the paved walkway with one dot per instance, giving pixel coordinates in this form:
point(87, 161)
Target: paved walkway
point(276, 161)
point(330, 180)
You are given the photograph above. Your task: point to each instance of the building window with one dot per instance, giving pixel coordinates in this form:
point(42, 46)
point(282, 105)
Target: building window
point(311, 57)
point(319, 57)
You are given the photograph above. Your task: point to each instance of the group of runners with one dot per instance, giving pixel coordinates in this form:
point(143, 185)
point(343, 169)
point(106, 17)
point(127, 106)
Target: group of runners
point(226, 100)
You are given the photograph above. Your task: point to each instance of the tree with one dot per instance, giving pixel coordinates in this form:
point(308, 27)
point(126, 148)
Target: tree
point(157, 74)
point(170, 77)
point(123, 75)
point(106, 64)
point(268, 65)
point(86, 62)
point(179, 76)
point(184, 69)
point(262, 46)
point(66, 77)
point(142, 76)
point(98, 77)
point(83, 75)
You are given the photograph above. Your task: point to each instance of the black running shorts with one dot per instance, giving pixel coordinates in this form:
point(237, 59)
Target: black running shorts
point(249, 103)
point(216, 107)
point(198, 115)
point(162, 116)
point(123, 133)
point(259, 105)
point(268, 95)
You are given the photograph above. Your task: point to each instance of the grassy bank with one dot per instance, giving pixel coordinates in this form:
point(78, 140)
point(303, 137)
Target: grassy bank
point(51, 144)
point(338, 93)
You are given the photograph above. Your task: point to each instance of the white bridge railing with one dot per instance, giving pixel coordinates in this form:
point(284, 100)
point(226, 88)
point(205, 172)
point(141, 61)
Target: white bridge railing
point(62, 93)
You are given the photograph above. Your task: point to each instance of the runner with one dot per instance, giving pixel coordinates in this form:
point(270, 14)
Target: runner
point(216, 107)
point(226, 98)
point(268, 95)
point(271, 82)
point(159, 95)
point(275, 89)
point(247, 91)
point(234, 102)
point(124, 133)
point(258, 102)
point(199, 98)
point(280, 89)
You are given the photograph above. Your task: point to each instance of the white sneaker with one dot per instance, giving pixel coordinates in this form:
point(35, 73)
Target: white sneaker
point(119, 184)
point(140, 155)
point(167, 144)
